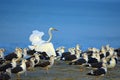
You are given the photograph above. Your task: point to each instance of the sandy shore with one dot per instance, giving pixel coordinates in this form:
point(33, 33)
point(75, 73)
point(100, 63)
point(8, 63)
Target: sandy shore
point(62, 71)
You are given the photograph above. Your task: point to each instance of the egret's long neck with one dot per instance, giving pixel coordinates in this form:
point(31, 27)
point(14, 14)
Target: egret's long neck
point(50, 35)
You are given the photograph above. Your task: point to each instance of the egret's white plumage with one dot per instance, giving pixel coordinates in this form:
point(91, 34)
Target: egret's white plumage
point(36, 37)
point(40, 45)
point(46, 47)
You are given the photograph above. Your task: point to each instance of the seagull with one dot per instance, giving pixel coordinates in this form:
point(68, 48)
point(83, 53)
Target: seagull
point(47, 64)
point(19, 69)
point(99, 72)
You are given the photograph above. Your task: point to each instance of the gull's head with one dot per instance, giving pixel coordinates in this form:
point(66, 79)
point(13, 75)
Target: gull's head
point(2, 50)
point(24, 60)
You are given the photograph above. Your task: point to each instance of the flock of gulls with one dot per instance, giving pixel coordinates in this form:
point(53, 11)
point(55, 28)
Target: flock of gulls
point(42, 54)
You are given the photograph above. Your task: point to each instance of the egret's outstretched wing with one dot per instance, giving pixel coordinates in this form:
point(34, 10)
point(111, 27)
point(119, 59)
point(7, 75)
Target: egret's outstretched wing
point(36, 37)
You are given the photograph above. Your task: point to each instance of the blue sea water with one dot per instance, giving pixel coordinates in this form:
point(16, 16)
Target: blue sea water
point(77, 22)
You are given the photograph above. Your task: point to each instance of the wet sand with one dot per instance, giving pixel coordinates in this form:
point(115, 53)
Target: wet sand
point(62, 71)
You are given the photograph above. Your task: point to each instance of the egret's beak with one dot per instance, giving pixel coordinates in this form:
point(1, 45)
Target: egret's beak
point(55, 29)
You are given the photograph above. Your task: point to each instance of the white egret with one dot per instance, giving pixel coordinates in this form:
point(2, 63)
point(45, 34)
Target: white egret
point(40, 45)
